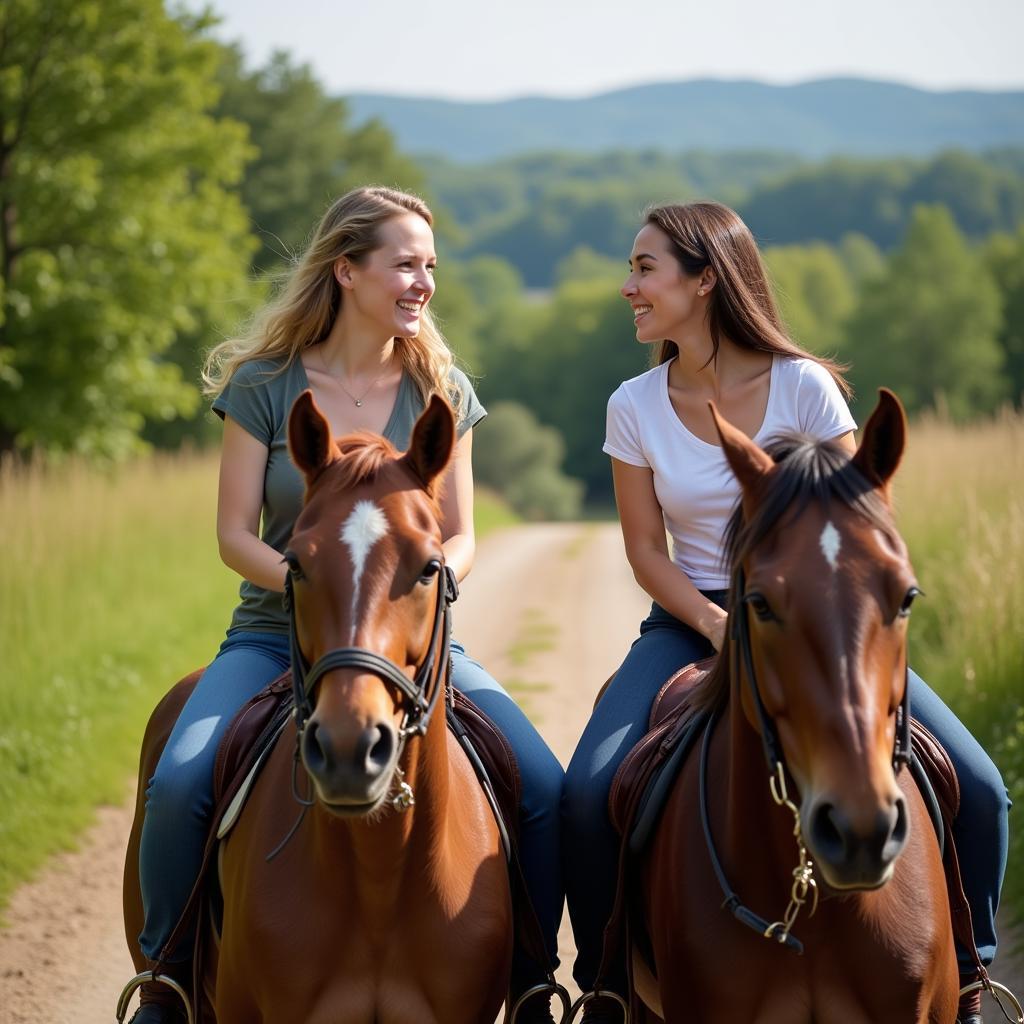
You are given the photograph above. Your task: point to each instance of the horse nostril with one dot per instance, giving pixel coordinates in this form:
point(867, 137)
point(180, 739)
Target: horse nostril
point(827, 834)
point(899, 830)
point(376, 749)
point(314, 753)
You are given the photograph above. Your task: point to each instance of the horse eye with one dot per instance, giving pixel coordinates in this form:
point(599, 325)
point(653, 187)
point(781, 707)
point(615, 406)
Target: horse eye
point(761, 607)
point(908, 600)
point(430, 570)
point(291, 559)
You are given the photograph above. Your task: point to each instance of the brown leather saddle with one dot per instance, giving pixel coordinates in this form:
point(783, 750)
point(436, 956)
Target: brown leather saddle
point(645, 778)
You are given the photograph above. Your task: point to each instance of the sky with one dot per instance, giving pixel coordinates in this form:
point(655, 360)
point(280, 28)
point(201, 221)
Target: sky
point(471, 49)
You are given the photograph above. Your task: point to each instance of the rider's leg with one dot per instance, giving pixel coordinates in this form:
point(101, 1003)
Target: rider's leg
point(179, 798)
point(539, 827)
point(590, 844)
point(981, 827)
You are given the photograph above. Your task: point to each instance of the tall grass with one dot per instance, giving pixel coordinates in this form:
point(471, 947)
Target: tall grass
point(960, 507)
point(111, 588)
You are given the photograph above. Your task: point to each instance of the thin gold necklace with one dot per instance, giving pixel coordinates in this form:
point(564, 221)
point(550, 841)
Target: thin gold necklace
point(357, 401)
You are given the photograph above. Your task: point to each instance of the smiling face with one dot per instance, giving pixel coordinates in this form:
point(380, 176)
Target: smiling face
point(390, 287)
point(664, 299)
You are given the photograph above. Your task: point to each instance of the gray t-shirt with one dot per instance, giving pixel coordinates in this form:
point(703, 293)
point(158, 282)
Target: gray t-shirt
point(260, 403)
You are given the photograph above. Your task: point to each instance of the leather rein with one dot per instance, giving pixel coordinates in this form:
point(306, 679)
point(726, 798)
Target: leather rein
point(804, 886)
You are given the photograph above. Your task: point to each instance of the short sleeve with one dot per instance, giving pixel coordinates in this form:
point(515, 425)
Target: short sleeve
point(469, 411)
point(246, 399)
point(821, 408)
point(622, 433)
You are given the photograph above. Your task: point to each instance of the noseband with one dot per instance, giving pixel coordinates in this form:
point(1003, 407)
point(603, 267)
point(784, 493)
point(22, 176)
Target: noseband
point(418, 703)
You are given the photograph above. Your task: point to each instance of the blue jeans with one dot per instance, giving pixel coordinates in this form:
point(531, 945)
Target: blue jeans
point(179, 798)
point(539, 821)
point(591, 845)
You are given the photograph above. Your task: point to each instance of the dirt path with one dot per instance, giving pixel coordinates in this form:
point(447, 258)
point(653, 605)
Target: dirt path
point(549, 610)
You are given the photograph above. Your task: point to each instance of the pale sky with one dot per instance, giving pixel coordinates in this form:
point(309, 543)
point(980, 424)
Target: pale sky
point(469, 49)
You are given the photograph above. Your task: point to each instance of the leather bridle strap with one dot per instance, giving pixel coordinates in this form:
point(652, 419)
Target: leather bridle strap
point(419, 707)
point(732, 902)
point(770, 742)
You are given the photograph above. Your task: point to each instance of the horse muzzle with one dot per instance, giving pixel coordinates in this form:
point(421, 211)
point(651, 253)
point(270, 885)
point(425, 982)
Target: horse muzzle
point(856, 851)
point(352, 773)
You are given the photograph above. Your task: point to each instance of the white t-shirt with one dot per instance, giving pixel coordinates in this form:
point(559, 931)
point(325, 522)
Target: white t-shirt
point(692, 480)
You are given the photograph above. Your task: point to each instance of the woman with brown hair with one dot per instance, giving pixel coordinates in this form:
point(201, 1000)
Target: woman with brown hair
point(352, 323)
point(700, 295)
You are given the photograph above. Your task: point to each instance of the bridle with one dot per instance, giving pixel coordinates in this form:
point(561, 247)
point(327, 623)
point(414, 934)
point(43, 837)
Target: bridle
point(419, 698)
point(804, 885)
point(775, 758)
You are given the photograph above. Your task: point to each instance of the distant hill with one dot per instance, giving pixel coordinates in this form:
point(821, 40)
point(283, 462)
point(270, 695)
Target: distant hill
point(815, 119)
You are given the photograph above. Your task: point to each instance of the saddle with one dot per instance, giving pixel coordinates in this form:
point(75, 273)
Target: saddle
point(644, 780)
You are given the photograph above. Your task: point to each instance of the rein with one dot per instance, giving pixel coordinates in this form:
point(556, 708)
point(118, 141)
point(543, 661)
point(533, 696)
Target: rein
point(804, 884)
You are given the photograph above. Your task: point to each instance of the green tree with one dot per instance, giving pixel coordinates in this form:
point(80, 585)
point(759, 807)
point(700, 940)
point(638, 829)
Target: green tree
point(1004, 255)
point(307, 151)
point(521, 460)
point(815, 294)
point(929, 326)
point(118, 232)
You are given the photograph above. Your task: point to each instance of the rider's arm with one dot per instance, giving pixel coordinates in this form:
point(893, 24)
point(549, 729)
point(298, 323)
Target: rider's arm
point(643, 531)
point(457, 509)
point(243, 465)
point(847, 441)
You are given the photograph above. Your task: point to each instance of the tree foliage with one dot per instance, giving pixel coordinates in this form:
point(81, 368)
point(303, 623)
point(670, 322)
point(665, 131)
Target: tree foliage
point(307, 152)
point(118, 231)
point(928, 327)
point(522, 460)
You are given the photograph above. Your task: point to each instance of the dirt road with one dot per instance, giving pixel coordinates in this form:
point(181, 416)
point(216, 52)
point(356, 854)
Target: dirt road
point(549, 609)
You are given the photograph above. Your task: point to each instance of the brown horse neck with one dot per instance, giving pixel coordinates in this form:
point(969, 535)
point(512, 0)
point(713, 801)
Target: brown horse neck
point(752, 815)
point(392, 844)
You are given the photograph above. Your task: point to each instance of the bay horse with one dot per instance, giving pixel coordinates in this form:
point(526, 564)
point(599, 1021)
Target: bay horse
point(390, 903)
point(812, 679)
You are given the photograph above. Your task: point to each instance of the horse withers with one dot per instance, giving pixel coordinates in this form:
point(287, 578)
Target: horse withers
point(390, 902)
point(795, 795)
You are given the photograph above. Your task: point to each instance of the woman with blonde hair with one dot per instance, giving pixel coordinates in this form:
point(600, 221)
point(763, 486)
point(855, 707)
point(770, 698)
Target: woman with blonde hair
point(352, 323)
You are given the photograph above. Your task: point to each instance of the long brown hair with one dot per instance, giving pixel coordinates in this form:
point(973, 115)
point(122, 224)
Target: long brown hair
point(303, 312)
point(742, 307)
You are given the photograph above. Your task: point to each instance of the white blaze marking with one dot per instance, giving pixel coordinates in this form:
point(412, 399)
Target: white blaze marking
point(365, 526)
point(830, 541)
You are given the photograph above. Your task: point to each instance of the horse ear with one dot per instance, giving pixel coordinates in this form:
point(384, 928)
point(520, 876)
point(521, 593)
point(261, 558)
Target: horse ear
point(309, 436)
point(884, 439)
point(749, 462)
point(433, 438)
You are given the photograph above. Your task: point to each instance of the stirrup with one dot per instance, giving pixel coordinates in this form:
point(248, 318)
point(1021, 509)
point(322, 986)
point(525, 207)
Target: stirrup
point(997, 992)
point(552, 988)
point(159, 979)
point(598, 993)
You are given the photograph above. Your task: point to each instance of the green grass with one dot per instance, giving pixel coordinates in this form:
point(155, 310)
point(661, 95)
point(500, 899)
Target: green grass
point(111, 589)
point(960, 507)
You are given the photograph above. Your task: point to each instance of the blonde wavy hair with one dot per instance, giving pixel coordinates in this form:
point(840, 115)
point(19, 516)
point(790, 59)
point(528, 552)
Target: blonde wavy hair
point(305, 308)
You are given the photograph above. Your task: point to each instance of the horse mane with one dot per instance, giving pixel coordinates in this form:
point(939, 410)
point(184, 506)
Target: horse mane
point(362, 455)
point(807, 470)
